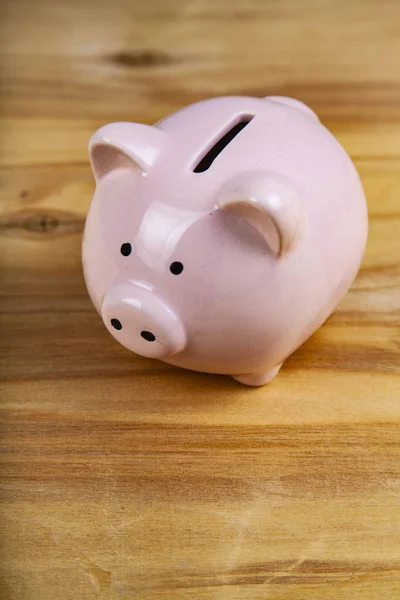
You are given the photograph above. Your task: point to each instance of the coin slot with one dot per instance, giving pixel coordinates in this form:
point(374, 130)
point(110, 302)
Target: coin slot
point(207, 160)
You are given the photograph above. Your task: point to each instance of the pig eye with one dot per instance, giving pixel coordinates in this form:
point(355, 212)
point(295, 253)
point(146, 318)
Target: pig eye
point(126, 249)
point(176, 268)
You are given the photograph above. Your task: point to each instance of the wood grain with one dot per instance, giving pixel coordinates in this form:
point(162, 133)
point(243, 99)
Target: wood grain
point(124, 478)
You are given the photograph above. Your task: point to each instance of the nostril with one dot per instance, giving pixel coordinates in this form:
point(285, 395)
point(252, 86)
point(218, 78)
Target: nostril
point(148, 336)
point(116, 324)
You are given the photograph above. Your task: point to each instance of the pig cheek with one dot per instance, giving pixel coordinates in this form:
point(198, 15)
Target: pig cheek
point(221, 255)
point(98, 267)
point(120, 211)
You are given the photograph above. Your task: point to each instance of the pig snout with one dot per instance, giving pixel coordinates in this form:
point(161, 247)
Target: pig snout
point(141, 321)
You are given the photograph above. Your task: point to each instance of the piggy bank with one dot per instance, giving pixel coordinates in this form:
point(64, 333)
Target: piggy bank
point(222, 237)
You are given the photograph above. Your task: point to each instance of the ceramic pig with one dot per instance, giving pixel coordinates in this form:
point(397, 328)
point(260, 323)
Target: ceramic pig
point(222, 237)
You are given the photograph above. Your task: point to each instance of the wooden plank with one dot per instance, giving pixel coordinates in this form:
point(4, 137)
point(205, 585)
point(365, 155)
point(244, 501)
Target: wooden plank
point(125, 478)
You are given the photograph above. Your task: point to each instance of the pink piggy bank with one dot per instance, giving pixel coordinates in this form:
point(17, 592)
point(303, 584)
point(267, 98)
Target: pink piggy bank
point(222, 237)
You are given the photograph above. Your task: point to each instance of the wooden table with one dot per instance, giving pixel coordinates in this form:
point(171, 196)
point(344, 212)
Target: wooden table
point(124, 478)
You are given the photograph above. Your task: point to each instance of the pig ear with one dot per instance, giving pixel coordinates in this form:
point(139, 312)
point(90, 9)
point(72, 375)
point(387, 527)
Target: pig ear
point(293, 103)
point(125, 145)
point(268, 202)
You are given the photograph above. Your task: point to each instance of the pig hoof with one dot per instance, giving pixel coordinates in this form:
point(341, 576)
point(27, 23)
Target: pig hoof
point(257, 379)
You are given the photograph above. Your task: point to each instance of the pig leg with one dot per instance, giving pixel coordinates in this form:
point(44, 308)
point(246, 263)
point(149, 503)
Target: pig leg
point(257, 379)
